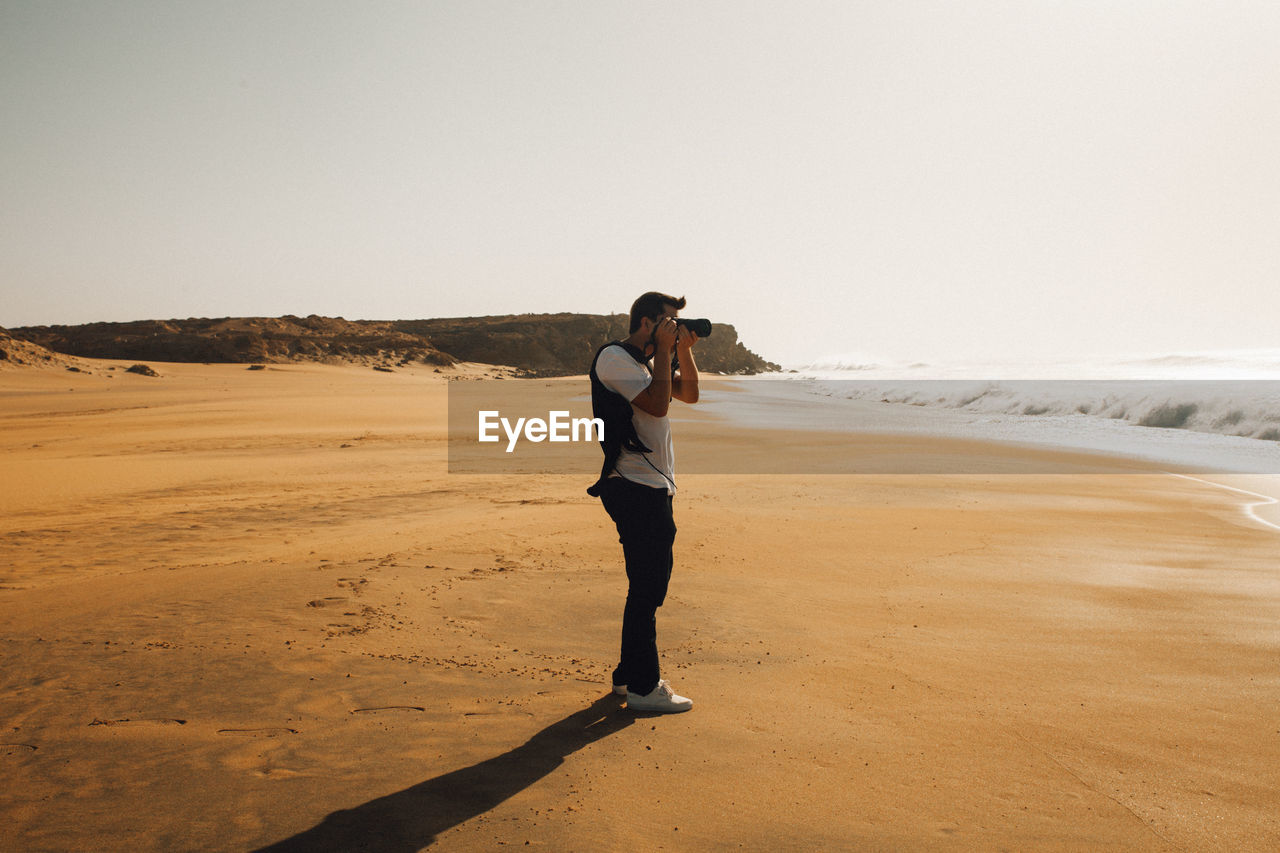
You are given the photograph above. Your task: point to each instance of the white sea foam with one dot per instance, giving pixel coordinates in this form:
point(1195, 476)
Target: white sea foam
point(1229, 393)
point(1215, 411)
point(1240, 408)
point(1257, 363)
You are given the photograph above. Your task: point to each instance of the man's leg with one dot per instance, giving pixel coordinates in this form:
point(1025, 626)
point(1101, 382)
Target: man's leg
point(647, 531)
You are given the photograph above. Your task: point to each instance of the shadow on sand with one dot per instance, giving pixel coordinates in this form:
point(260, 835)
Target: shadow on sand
point(411, 819)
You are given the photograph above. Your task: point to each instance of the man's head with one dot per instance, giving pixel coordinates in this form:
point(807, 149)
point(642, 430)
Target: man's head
point(652, 306)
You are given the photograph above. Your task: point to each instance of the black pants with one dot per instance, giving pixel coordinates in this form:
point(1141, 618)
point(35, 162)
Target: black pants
point(647, 531)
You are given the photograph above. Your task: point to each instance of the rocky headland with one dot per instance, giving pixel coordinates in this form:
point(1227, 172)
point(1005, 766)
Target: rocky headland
point(15, 351)
point(534, 344)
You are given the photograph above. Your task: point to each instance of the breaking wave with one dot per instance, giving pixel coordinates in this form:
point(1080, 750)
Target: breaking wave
point(1235, 393)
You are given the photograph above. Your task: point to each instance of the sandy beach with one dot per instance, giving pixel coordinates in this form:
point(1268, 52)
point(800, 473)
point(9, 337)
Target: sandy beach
point(253, 609)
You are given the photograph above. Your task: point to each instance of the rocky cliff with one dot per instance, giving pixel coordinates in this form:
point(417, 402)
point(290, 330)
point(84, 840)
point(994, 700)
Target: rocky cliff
point(563, 344)
point(18, 352)
point(239, 339)
point(536, 344)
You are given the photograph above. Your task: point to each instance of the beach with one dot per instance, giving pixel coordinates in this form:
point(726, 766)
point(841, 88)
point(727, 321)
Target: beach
point(255, 609)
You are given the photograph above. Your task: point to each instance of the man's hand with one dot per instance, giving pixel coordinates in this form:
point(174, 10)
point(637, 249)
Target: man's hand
point(684, 385)
point(664, 336)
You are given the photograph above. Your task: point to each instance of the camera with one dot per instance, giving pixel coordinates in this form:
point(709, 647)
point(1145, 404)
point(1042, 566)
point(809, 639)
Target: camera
point(701, 328)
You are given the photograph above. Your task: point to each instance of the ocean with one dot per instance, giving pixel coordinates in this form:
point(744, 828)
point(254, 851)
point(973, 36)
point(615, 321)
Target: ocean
point(1220, 409)
point(1214, 415)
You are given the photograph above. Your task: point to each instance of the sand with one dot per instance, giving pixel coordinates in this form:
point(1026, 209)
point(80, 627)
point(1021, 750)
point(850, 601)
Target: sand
point(252, 609)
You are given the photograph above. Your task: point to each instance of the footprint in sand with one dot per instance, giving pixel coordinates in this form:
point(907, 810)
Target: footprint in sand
point(11, 749)
point(388, 708)
point(277, 773)
point(327, 601)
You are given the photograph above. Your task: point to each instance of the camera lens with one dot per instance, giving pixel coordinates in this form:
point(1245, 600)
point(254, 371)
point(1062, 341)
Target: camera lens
point(701, 328)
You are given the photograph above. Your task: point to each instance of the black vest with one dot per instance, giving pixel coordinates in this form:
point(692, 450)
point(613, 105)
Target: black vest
point(615, 411)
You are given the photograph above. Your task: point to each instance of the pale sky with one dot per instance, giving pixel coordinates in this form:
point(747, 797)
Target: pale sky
point(904, 180)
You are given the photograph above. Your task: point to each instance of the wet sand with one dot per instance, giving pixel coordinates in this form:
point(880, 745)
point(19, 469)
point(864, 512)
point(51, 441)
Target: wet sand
point(249, 609)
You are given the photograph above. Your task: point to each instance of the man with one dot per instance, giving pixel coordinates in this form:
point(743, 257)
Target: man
point(637, 482)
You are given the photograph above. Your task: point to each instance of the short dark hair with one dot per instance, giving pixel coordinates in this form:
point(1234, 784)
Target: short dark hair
point(651, 305)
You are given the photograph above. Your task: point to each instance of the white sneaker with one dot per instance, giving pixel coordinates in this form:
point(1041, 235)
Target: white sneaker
point(620, 690)
point(663, 700)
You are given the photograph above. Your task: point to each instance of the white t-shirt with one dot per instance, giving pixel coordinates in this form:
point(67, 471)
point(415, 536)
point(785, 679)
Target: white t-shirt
point(622, 374)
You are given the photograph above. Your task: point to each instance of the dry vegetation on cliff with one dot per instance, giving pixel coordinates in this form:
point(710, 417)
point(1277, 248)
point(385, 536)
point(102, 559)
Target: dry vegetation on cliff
point(536, 344)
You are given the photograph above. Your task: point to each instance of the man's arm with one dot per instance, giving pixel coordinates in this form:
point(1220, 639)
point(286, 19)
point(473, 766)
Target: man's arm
point(656, 398)
point(684, 385)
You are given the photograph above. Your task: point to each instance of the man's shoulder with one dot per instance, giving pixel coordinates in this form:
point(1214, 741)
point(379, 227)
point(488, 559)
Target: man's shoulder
point(619, 372)
point(616, 356)
point(615, 348)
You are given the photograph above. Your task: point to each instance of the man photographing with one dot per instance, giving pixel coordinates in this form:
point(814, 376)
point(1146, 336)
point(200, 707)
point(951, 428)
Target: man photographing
point(632, 385)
